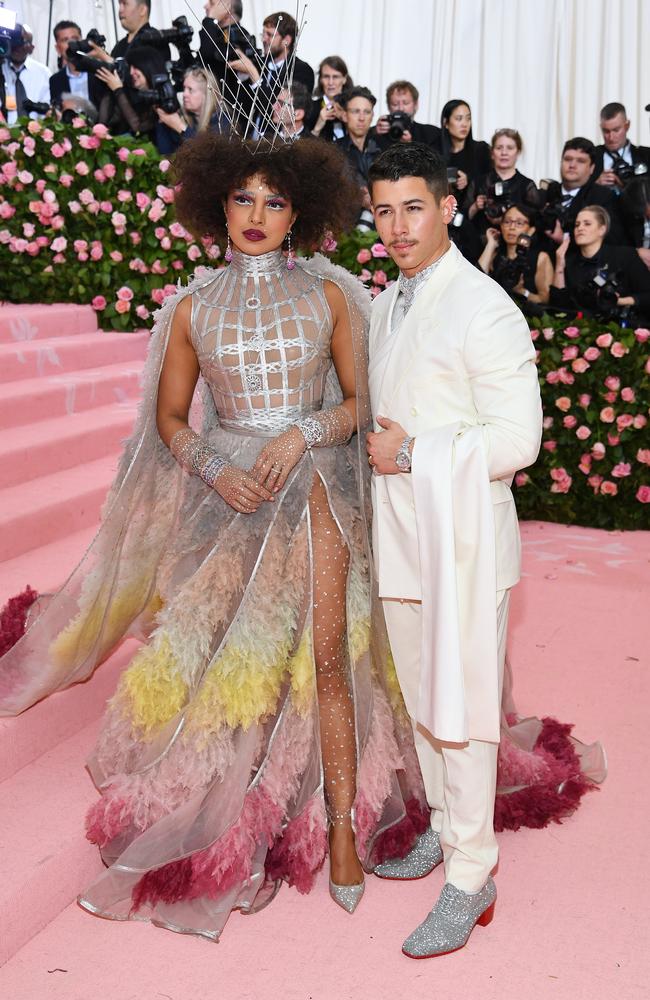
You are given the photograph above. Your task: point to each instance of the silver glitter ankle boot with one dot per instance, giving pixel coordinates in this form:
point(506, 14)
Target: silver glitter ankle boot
point(451, 921)
point(420, 860)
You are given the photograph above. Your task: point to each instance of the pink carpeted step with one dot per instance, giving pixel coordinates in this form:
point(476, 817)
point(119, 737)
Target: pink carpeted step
point(35, 322)
point(48, 446)
point(46, 509)
point(57, 355)
point(55, 719)
point(45, 860)
point(46, 568)
point(33, 399)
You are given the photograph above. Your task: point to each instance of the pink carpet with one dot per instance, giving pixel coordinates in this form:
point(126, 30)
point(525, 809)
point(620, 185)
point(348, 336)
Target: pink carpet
point(571, 915)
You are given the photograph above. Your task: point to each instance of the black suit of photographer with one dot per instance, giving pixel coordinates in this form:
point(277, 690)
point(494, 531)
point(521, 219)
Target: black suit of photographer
point(121, 48)
point(640, 154)
point(216, 52)
point(60, 84)
point(593, 194)
point(516, 190)
point(632, 275)
point(428, 135)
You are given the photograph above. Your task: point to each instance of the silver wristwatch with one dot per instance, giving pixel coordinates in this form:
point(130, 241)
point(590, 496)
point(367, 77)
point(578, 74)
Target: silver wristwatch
point(403, 456)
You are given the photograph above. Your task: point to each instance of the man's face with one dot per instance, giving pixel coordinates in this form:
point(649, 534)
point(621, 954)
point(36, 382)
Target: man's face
point(63, 36)
point(412, 225)
point(132, 14)
point(576, 168)
point(282, 112)
point(20, 53)
point(402, 100)
point(614, 131)
point(358, 116)
point(274, 42)
point(331, 81)
point(218, 10)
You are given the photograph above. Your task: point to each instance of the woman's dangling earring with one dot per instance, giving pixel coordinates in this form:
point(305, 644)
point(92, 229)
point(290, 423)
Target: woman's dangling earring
point(291, 255)
point(228, 254)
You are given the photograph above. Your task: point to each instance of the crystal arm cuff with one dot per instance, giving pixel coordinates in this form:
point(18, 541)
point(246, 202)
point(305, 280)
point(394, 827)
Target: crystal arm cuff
point(196, 457)
point(327, 427)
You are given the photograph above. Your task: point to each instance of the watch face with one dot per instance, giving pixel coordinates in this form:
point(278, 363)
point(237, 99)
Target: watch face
point(403, 461)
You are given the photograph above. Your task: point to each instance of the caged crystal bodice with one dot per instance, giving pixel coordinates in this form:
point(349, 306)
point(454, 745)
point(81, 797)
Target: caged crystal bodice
point(262, 336)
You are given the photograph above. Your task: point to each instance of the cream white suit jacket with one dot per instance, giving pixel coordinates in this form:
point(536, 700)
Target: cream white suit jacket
point(462, 355)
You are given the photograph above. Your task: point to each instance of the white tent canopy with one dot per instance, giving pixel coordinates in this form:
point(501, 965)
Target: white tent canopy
point(543, 68)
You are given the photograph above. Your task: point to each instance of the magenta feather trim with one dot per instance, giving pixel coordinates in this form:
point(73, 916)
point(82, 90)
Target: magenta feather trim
point(107, 818)
point(13, 617)
point(551, 775)
point(298, 855)
point(397, 840)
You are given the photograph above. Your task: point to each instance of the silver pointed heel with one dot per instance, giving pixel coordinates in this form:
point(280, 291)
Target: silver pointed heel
point(347, 896)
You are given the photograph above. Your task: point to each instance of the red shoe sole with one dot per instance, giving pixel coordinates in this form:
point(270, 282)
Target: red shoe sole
point(483, 921)
point(411, 878)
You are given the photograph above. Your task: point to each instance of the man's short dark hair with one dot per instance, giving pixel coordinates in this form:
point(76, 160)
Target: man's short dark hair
point(284, 23)
point(63, 26)
point(300, 97)
point(236, 9)
point(412, 159)
point(611, 110)
point(402, 85)
point(349, 95)
point(582, 145)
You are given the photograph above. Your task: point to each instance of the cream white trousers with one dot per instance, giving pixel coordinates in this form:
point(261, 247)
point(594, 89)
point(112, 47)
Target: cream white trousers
point(459, 778)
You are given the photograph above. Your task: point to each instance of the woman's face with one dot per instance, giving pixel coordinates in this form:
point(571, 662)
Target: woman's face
point(504, 153)
point(588, 229)
point(194, 91)
point(258, 217)
point(331, 81)
point(513, 224)
point(459, 122)
point(138, 79)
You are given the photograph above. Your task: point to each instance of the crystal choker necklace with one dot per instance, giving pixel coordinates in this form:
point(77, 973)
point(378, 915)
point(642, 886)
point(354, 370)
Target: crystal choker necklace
point(264, 263)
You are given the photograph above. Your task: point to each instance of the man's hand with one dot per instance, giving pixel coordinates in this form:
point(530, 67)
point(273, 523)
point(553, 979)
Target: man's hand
point(557, 233)
point(110, 78)
point(383, 446)
point(609, 179)
point(244, 65)
point(382, 125)
point(461, 181)
point(98, 53)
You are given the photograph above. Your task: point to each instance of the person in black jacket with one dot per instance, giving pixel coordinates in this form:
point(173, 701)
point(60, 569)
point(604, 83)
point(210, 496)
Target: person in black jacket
point(402, 97)
point(606, 281)
point(69, 80)
point(503, 185)
point(134, 18)
point(635, 211)
point(326, 119)
point(221, 40)
point(576, 190)
point(617, 160)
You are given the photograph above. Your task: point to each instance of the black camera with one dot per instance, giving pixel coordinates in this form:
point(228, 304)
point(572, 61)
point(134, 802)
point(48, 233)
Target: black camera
point(180, 34)
point(497, 202)
point(7, 32)
point(398, 123)
point(625, 171)
point(35, 107)
point(78, 53)
point(510, 271)
point(606, 287)
point(162, 94)
point(238, 39)
point(452, 176)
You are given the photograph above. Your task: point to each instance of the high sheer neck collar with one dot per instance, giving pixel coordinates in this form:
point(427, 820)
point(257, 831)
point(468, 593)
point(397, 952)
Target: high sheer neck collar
point(265, 263)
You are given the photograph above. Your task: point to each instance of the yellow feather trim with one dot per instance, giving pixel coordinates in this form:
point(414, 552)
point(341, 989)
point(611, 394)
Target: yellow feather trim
point(152, 691)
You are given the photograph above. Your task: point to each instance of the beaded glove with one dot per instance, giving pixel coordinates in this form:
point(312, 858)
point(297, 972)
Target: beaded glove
point(327, 427)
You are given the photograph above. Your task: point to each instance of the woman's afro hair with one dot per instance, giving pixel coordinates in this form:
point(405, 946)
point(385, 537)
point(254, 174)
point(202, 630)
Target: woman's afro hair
point(311, 173)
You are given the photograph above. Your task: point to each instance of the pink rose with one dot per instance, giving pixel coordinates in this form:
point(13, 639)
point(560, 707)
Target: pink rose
point(643, 494)
point(25, 177)
point(164, 166)
point(365, 275)
point(123, 154)
point(563, 403)
point(613, 439)
point(621, 470)
point(159, 232)
point(81, 168)
point(594, 482)
point(194, 252)
point(29, 229)
point(99, 302)
point(553, 377)
point(142, 200)
point(86, 196)
point(550, 445)
point(561, 481)
point(604, 339)
point(178, 265)
point(57, 150)
point(9, 170)
point(642, 334)
point(100, 130)
point(177, 230)
point(34, 127)
point(47, 135)
point(80, 245)
point(158, 267)
point(158, 296)
point(123, 196)
point(74, 207)
point(142, 312)
point(19, 245)
point(135, 238)
point(548, 333)
point(66, 180)
point(639, 421)
point(33, 249)
point(643, 456)
point(565, 376)
point(83, 256)
point(6, 210)
point(110, 170)
point(583, 432)
point(608, 488)
point(618, 350)
point(96, 252)
point(99, 176)
point(572, 331)
point(4, 134)
point(379, 277)
point(118, 219)
point(139, 152)
point(165, 193)
point(570, 421)
point(122, 307)
point(610, 397)
point(29, 145)
point(534, 334)
point(128, 174)
point(569, 353)
point(106, 207)
point(591, 354)
point(125, 294)
point(584, 399)
point(628, 394)
point(116, 256)
point(89, 142)
point(547, 423)
point(59, 244)
point(166, 244)
point(93, 208)
point(607, 415)
point(157, 210)
point(612, 382)
point(624, 420)
point(364, 256)
point(580, 365)
point(170, 289)
point(522, 478)
point(585, 464)
point(378, 250)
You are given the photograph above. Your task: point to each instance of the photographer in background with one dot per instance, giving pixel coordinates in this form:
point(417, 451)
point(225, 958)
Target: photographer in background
point(635, 212)
point(129, 105)
point(576, 190)
point(607, 281)
point(359, 145)
point(222, 40)
point(617, 160)
point(326, 119)
point(69, 80)
point(290, 110)
point(503, 185)
point(515, 259)
point(399, 124)
point(201, 109)
point(134, 18)
point(25, 78)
